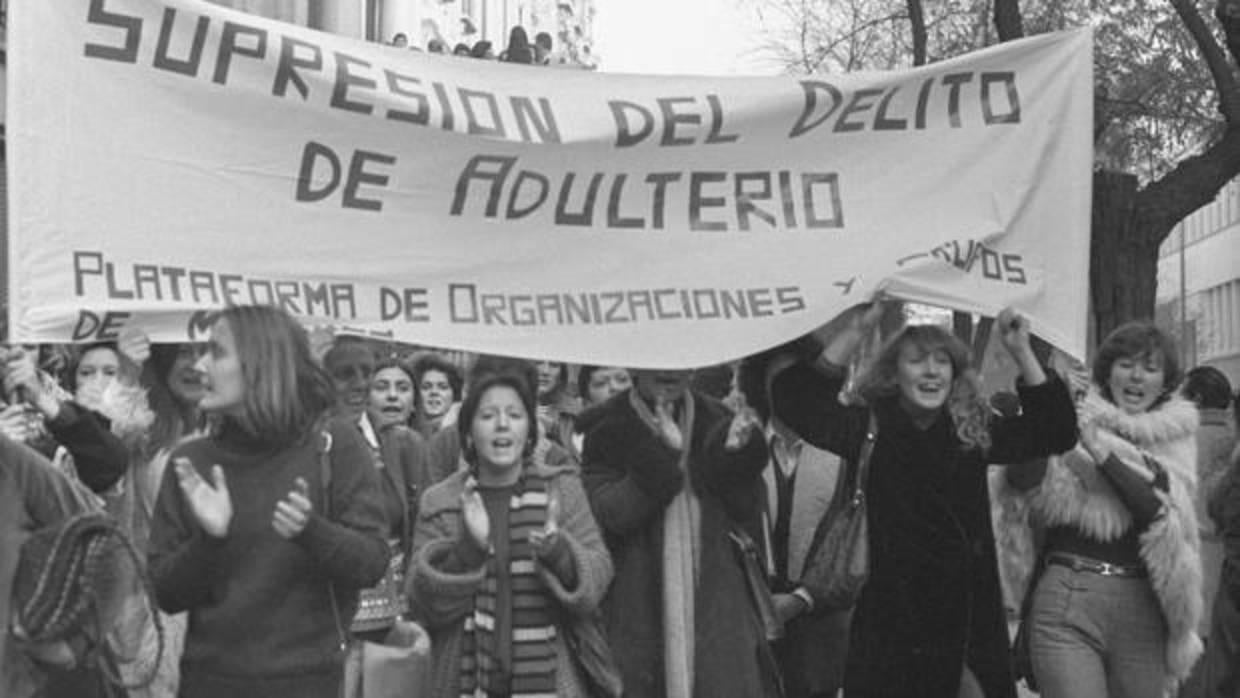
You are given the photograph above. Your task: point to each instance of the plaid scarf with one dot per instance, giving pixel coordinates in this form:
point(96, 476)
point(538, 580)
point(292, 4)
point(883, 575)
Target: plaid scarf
point(532, 673)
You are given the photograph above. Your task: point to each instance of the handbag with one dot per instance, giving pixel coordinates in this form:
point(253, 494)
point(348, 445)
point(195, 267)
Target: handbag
point(838, 560)
point(755, 580)
point(583, 635)
point(399, 666)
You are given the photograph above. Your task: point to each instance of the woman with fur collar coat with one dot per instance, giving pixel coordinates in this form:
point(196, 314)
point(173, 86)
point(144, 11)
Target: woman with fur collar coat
point(1116, 609)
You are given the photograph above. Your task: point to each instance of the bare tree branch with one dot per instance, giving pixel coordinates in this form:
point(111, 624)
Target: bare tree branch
point(1227, 12)
point(1007, 20)
point(1216, 60)
point(917, 20)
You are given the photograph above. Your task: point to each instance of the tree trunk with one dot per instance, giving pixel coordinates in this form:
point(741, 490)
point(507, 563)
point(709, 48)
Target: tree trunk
point(1123, 260)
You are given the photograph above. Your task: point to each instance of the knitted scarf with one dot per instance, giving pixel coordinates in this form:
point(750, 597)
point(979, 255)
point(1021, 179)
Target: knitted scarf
point(533, 672)
point(681, 525)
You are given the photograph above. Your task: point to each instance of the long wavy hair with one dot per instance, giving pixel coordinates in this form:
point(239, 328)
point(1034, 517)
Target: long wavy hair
point(286, 389)
point(968, 410)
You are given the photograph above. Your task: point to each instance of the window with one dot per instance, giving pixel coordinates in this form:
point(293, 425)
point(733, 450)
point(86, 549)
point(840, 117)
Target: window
point(1218, 328)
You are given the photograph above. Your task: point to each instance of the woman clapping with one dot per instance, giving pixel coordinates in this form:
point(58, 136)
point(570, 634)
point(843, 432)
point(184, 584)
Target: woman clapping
point(266, 529)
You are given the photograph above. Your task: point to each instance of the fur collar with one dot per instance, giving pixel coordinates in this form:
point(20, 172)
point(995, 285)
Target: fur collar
point(1173, 420)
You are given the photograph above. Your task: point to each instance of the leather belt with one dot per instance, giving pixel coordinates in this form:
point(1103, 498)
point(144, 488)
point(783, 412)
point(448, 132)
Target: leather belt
point(1078, 563)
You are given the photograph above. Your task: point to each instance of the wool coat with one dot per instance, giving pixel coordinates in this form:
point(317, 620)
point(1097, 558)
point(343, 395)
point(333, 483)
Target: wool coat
point(33, 495)
point(932, 604)
point(441, 598)
point(631, 477)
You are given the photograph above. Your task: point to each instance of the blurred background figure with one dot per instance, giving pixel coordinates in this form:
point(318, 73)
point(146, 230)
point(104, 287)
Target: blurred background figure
point(557, 408)
point(439, 384)
point(1208, 389)
point(518, 49)
point(542, 48)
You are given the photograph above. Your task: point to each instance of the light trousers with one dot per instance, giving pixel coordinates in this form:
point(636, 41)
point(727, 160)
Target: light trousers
point(1097, 637)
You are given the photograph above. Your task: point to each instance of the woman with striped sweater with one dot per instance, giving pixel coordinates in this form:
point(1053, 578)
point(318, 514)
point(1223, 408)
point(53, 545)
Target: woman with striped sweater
point(504, 553)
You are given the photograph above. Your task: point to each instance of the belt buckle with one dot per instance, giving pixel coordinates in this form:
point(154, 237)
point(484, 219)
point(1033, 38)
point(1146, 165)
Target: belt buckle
point(1106, 569)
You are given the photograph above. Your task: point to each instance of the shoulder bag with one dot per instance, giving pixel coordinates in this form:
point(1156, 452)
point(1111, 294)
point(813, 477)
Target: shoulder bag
point(398, 667)
point(838, 561)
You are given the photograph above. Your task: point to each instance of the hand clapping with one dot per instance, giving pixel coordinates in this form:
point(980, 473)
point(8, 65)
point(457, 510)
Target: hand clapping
point(474, 511)
point(210, 503)
point(293, 512)
point(547, 541)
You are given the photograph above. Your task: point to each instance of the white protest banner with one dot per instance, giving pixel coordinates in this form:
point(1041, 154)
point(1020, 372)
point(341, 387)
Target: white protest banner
point(170, 156)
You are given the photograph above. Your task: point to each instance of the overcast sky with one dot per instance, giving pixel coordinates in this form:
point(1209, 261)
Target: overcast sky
point(690, 37)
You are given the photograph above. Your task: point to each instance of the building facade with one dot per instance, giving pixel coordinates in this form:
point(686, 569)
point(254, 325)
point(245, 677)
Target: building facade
point(1199, 284)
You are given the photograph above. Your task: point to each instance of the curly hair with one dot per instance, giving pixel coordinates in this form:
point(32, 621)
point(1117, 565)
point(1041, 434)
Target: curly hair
point(430, 361)
point(969, 412)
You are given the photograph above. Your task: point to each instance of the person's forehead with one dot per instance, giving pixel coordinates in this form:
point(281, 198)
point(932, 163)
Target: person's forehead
point(352, 356)
point(434, 375)
point(393, 373)
point(1148, 356)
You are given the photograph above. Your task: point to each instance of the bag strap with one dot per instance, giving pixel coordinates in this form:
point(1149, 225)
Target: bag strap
point(863, 461)
point(325, 478)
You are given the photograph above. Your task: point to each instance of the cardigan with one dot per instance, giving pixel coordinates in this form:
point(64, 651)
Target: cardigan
point(441, 597)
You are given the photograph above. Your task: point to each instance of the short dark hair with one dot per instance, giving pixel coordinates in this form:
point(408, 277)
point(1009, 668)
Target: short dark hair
point(510, 377)
point(488, 364)
point(752, 370)
point(1208, 387)
point(1131, 340)
point(431, 361)
point(343, 343)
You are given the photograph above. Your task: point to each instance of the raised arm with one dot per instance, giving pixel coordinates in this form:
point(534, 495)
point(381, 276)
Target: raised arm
point(630, 476)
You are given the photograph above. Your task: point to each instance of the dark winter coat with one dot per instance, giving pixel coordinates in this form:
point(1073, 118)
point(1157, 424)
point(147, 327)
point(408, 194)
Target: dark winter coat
point(932, 602)
point(631, 477)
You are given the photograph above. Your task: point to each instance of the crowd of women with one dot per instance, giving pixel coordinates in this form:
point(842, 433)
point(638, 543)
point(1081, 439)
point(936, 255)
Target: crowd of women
point(587, 530)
